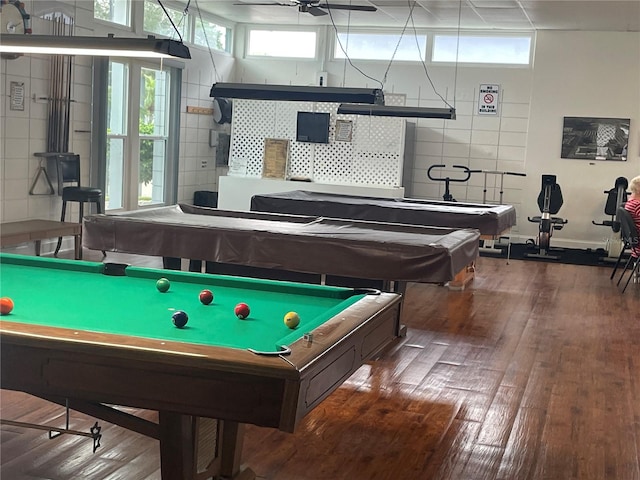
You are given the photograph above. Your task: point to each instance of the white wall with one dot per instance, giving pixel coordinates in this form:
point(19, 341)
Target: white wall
point(592, 74)
point(479, 142)
point(23, 133)
point(574, 74)
point(197, 165)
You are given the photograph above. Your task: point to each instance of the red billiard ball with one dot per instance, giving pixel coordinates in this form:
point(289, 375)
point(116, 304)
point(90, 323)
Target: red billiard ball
point(242, 311)
point(6, 305)
point(206, 297)
point(180, 318)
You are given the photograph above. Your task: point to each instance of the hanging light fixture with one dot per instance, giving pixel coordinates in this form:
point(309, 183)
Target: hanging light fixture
point(110, 46)
point(397, 111)
point(297, 93)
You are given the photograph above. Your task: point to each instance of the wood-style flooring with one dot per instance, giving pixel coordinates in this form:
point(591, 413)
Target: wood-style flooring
point(532, 372)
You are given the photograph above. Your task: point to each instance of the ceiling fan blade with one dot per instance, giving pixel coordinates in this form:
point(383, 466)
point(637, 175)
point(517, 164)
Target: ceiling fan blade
point(316, 12)
point(360, 8)
point(266, 4)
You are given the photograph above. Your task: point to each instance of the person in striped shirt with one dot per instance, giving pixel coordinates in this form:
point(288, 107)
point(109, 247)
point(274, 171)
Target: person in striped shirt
point(633, 207)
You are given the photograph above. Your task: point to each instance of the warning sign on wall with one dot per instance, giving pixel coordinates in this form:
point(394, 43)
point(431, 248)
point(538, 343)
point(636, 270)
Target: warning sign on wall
point(488, 99)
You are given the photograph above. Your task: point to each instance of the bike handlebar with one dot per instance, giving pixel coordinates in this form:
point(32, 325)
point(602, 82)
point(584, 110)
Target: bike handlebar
point(466, 170)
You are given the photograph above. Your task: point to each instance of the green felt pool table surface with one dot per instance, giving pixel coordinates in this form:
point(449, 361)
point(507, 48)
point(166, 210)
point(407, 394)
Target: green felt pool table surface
point(77, 295)
point(92, 341)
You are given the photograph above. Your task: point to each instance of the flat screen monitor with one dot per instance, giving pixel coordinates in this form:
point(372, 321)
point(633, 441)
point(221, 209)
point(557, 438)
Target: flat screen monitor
point(313, 127)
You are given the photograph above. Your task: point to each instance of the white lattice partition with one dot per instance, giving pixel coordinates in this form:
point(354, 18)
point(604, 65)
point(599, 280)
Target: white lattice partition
point(373, 157)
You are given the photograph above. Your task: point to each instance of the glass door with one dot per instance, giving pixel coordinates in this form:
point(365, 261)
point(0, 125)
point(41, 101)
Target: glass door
point(138, 109)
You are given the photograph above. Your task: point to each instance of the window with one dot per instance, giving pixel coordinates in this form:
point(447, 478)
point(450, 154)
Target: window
point(117, 111)
point(156, 21)
point(153, 133)
point(514, 50)
point(280, 43)
point(114, 11)
point(140, 153)
point(374, 46)
point(210, 35)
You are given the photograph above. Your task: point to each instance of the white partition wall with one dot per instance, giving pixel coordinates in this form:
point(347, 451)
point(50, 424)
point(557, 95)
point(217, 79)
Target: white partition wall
point(370, 162)
point(235, 192)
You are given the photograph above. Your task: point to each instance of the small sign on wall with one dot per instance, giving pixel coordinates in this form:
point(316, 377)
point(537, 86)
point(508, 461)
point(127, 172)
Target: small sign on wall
point(238, 167)
point(344, 130)
point(488, 99)
point(17, 96)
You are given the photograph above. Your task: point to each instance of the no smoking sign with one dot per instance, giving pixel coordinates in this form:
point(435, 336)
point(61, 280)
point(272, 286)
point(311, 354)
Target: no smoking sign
point(488, 99)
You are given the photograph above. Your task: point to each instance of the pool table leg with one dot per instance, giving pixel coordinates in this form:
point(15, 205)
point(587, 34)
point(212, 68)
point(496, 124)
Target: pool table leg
point(189, 451)
point(176, 446)
point(171, 263)
point(231, 438)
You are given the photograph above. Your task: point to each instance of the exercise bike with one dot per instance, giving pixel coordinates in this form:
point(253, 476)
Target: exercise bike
point(616, 197)
point(447, 197)
point(549, 201)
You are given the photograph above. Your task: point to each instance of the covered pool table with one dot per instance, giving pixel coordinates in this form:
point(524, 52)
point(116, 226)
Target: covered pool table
point(102, 334)
point(490, 220)
point(313, 246)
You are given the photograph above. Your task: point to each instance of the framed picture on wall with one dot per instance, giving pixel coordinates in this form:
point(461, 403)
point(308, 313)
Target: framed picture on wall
point(587, 138)
point(275, 159)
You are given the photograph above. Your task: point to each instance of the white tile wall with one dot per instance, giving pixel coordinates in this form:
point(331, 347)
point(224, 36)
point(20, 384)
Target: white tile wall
point(24, 133)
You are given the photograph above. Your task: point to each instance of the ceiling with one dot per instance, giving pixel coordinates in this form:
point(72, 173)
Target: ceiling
point(603, 15)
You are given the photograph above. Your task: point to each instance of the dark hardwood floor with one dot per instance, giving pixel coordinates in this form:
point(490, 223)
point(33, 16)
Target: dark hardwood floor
point(532, 372)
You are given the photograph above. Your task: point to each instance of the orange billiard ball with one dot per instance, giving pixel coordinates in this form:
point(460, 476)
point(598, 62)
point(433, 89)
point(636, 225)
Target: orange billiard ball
point(6, 305)
point(242, 311)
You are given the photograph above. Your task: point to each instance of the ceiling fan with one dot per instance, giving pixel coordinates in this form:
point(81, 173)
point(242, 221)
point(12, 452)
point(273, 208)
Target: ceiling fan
point(314, 7)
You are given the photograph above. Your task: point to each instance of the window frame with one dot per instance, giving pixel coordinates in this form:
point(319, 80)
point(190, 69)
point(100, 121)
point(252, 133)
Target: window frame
point(125, 26)
point(430, 44)
point(335, 47)
point(273, 28)
point(191, 24)
point(169, 6)
point(220, 23)
point(479, 33)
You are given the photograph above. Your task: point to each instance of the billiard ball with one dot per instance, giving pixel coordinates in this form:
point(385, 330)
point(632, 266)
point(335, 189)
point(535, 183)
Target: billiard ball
point(292, 319)
point(6, 305)
point(163, 285)
point(206, 297)
point(180, 318)
point(242, 311)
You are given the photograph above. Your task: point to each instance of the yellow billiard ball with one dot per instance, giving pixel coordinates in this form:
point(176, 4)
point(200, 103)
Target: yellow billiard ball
point(292, 319)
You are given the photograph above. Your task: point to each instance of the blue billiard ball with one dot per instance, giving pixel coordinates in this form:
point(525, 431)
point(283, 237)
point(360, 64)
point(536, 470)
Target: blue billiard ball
point(180, 318)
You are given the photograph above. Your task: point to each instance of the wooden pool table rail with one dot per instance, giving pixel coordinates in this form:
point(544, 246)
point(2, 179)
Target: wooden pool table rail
point(184, 382)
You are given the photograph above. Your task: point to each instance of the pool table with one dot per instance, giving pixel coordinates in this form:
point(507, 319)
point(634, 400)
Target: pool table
point(102, 334)
point(309, 245)
point(490, 220)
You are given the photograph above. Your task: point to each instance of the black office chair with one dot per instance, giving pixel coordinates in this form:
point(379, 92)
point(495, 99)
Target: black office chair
point(630, 237)
point(549, 201)
point(68, 170)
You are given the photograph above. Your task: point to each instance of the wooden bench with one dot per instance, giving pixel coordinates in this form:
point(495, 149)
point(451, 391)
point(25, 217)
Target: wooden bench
point(13, 233)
